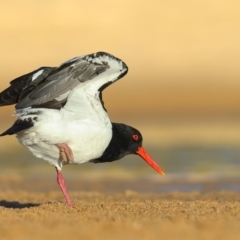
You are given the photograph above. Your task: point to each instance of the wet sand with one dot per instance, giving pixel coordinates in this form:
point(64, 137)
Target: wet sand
point(34, 213)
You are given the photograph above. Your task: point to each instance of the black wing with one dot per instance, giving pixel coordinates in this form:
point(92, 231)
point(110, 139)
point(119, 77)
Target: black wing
point(101, 68)
point(48, 87)
point(21, 86)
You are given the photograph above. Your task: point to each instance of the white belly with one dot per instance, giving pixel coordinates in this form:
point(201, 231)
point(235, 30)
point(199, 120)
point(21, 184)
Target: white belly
point(87, 138)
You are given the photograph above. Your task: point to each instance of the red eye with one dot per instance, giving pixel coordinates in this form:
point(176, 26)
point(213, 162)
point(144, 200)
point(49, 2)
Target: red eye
point(135, 137)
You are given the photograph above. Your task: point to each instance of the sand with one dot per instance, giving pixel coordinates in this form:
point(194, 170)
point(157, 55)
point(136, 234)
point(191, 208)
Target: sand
point(27, 211)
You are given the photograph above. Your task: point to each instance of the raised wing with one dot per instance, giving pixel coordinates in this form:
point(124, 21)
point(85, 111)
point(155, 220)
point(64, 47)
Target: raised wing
point(97, 70)
point(21, 86)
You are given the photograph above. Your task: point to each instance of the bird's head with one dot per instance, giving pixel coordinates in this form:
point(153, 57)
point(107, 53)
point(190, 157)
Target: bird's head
point(135, 144)
point(126, 140)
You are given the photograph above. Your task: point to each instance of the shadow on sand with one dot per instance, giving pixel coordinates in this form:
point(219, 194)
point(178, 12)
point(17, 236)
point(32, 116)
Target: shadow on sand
point(8, 204)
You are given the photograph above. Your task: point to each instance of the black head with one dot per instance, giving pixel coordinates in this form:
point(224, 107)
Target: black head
point(126, 140)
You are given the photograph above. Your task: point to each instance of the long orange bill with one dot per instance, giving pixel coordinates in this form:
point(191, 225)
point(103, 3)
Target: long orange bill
point(144, 155)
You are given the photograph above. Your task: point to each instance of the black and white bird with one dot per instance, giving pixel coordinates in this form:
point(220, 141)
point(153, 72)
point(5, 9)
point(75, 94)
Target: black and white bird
point(61, 117)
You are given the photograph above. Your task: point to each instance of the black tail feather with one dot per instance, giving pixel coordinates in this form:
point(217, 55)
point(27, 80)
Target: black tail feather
point(18, 126)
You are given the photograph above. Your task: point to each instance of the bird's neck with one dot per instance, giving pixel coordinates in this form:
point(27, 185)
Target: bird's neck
point(117, 147)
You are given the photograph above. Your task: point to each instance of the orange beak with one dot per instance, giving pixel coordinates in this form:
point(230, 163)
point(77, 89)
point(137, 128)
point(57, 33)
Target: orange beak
point(144, 155)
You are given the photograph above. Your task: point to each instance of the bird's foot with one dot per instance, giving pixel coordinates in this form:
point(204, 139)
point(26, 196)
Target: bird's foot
point(65, 152)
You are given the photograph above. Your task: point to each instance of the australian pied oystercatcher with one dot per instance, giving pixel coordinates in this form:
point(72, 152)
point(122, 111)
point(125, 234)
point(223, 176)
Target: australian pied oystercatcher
point(61, 117)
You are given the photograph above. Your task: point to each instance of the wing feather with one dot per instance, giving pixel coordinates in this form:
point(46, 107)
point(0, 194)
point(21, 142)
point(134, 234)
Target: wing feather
point(49, 87)
point(96, 69)
point(22, 85)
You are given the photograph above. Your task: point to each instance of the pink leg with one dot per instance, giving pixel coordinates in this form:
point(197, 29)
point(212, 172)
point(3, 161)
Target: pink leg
point(66, 152)
point(61, 183)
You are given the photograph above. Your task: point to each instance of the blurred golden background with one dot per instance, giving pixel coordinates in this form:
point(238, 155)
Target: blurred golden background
point(182, 89)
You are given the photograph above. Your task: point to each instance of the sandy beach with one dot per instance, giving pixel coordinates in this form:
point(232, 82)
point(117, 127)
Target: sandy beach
point(27, 212)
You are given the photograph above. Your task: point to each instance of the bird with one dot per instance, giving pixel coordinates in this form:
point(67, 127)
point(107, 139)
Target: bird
point(61, 117)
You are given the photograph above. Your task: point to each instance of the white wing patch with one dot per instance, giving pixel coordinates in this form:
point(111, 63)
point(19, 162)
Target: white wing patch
point(38, 73)
point(116, 68)
point(113, 63)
